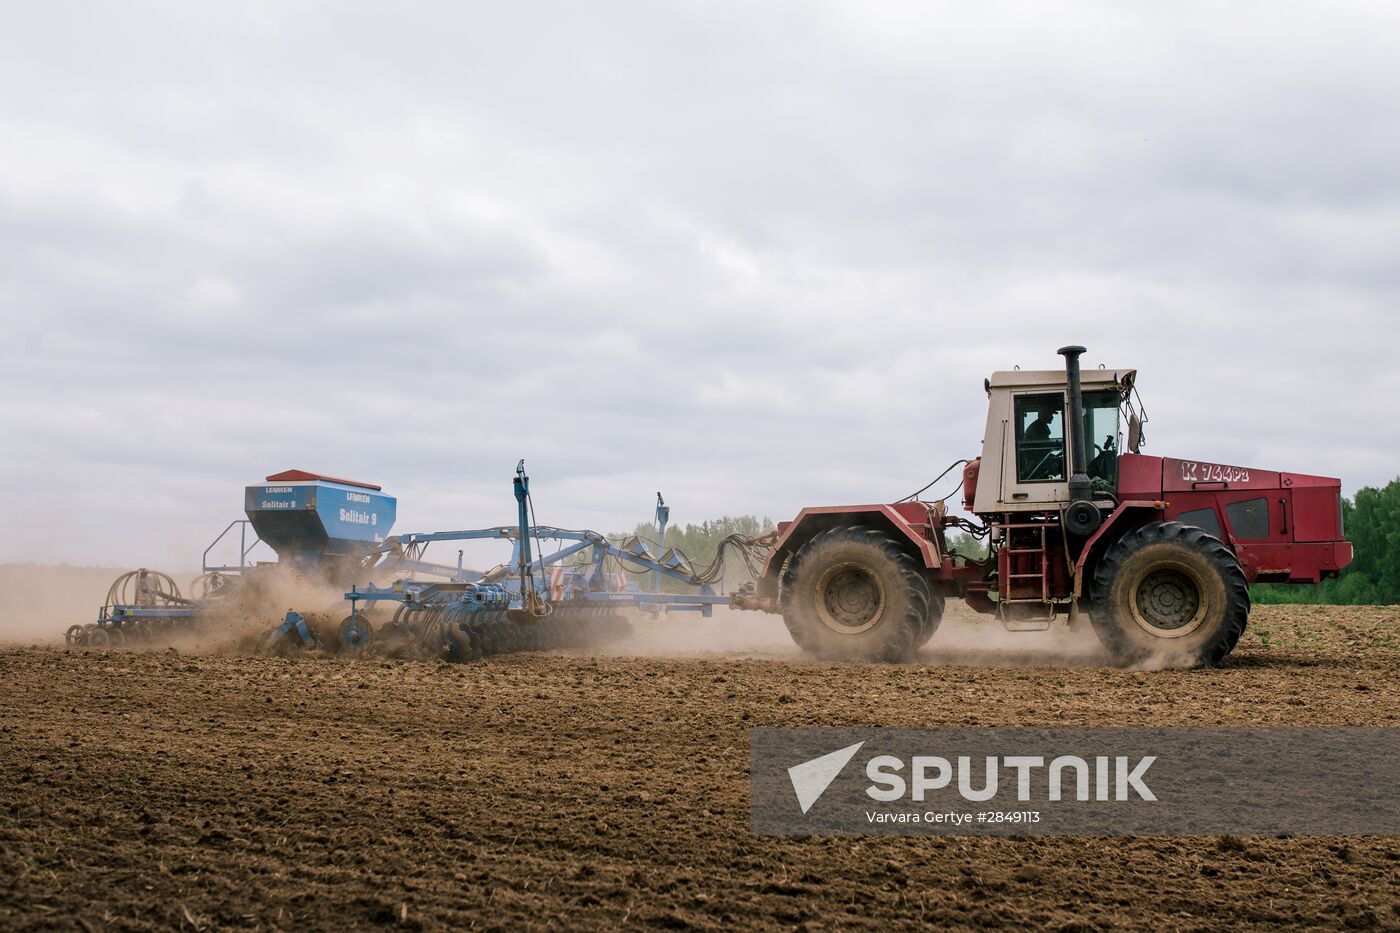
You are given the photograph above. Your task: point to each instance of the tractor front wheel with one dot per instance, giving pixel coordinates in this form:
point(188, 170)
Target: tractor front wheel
point(1169, 593)
point(853, 594)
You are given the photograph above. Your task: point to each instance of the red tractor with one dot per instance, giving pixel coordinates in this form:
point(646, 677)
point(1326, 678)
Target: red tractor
point(1158, 552)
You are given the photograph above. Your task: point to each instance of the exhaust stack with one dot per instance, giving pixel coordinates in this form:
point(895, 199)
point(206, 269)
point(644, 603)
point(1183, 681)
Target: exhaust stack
point(1081, 516)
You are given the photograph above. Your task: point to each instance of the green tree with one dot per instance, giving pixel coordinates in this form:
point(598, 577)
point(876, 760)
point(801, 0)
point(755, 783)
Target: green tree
point(1372, 524)
point(699, 543)
point(962, 544)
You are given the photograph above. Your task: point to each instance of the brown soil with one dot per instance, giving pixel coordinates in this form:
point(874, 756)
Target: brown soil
point(164, 790)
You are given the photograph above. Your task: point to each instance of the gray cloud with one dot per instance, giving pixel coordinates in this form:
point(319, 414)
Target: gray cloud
point(755, 255)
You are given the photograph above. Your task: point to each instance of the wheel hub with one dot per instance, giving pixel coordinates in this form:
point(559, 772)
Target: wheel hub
point(850, 599)
point(1168, 602)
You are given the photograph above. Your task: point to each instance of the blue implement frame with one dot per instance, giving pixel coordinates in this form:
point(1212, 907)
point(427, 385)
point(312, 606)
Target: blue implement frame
point(516, 576)
point(587, 583)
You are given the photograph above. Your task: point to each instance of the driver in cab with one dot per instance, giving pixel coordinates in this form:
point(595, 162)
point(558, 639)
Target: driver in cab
point(1039, 429)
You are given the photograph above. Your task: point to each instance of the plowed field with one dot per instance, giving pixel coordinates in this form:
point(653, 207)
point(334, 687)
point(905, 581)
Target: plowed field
point(159, 789)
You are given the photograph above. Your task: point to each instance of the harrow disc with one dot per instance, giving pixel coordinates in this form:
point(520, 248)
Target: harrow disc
point(356, 634)
point(452, 645)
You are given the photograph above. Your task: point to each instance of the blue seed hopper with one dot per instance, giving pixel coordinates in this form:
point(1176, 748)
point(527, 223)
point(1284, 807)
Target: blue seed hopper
point(312, 520)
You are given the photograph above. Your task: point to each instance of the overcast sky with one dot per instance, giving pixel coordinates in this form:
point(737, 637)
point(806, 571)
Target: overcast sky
point(755, 255)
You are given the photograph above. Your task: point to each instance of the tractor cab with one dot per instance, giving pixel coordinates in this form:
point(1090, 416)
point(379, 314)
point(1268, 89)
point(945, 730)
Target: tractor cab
point(1028, 453)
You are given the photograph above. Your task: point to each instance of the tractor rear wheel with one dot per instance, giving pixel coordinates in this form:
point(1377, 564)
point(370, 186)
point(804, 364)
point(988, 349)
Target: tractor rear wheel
point(851, 593)
point(1169, 593)
point(931, 620)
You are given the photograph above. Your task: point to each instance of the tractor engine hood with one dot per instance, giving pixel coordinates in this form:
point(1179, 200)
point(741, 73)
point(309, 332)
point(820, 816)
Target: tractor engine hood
point(1144, 477)
point(1283, 526)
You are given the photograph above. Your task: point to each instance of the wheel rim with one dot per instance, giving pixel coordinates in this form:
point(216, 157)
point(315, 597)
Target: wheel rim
point(850, 599)
point(1169, 601)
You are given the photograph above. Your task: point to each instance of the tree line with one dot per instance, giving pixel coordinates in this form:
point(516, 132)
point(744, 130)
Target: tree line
point(1371, 522)
point(700, 544)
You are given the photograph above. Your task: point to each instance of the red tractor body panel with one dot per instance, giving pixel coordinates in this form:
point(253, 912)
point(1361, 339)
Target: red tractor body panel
point(910, 519)
point(1283, 527)
point(907, 521)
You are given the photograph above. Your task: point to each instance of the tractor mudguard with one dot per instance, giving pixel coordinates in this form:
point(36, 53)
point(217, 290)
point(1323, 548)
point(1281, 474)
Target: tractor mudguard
point(910, 522)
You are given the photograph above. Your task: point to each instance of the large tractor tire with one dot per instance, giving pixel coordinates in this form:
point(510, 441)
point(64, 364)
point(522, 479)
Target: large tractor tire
point(932, 618)
point(851, 593)
point(1169, 593)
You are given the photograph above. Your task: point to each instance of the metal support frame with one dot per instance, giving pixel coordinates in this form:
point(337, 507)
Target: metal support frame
point(294, 622)
point(508, 574)
point(244, 548)
point(663, 514)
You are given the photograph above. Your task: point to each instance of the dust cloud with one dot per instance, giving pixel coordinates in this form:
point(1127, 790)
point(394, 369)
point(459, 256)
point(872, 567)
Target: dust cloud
point(38, 602)
point(964, 639)
point(970, 639)
point(729, 633)
point(241, 622)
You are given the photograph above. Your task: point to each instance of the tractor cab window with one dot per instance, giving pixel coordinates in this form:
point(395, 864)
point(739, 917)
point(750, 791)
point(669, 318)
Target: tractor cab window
point(1101, 433)
point(1040, 438)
